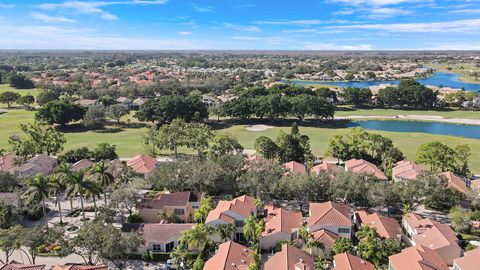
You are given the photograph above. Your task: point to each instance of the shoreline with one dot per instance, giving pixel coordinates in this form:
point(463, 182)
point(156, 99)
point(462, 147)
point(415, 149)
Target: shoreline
point(412, 117)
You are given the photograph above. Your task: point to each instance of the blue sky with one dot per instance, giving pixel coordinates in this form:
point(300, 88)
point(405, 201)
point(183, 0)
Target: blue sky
point(240, 24)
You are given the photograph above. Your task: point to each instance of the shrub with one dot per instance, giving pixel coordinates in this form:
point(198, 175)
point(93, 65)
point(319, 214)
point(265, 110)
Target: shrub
point(135, 218)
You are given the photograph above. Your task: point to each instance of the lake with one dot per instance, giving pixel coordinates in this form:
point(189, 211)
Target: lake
point(438, 79)
point(466, 131)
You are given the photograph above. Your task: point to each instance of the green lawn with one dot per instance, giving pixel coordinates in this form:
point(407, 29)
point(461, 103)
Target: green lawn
point(392, 112)
point(129, 140)
point(6, 87)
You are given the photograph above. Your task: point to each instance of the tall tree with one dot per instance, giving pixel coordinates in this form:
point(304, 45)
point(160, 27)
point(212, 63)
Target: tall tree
point(38, 191)
point(100, 172)
point(78, 186)
point(437, 155)
point(59, 112)
point(266, 147)
point(57, 186)
point(294, 146)
point(9, 98)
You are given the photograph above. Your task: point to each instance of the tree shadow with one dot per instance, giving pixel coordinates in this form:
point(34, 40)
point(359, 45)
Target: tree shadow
point(282, 123)
point(80, 128)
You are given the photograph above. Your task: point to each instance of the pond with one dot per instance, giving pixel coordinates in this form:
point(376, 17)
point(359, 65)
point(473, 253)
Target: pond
point(419, 126)
point(438, 79)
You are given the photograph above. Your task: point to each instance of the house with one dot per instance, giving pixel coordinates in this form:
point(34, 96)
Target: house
point(230, 256)
point(232, 212)
point(7, 162)
point(142, 164)
point(280, 225)
point(124, 100)
point(331, 216)
point(10, 199)
point(328, 168)
point(161, 237)
point(80, 267)
point(182, 204)
point(14, 265)
point(406, 170)
point(455, 182)
point(347, 261)
point(386, 227)
point(416, 258)
point(80, 165)
point(137, 103)
point(469, 261)
point(290, 258)
point(436, 236)
point(363, 166)
point(294, 167)
point(42, 164)
point(327, 238)
point(86, 102)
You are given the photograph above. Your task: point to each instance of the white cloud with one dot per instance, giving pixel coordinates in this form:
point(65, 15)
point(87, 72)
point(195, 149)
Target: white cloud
point(291, 22)
point(456, 46)
point(50, 19)
point(7, 6)
point(376, 2)
point(248, 28)
point(447, 26)
point(467, 11)
point(95, 7)
point(184, 33)
point(332, 46)
point(383, 13)
point(203, 9)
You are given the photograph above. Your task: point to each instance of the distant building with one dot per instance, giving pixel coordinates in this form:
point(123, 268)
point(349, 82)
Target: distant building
point(328, 168)
point(86, 102)
point(80, 165)
point(294, 167)
point(14, 265)
point(363, 166)
point(455, 182)
point(406, 170)
point(331, 216)
point(142, 164)
point(181, 204)
point(7, 162)
point(41, 164)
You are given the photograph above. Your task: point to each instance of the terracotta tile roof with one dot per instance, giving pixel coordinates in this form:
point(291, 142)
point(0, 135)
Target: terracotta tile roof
point(243, 205)
point(161, 233)
point(430, 233)
point(230, 256)
point(142, 163)
point(80, 267)
point(406, 170)
point(14, 265)
point(326, 237)
point(454, 181)
point(363, 166)
point(418, 258)
point(294, 167)
point(327, 168)
point(9, 198)
point(469, 261)
point(7, 162)
point(329, 214)
point(281, 220)
point(39, 163)
point(290, 258)
point(386, 227)
point(86, 102)
point(347, 261)
point(170, 199)
point(81, 165)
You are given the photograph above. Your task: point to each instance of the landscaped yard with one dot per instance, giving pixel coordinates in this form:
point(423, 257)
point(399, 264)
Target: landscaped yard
point(129, 140)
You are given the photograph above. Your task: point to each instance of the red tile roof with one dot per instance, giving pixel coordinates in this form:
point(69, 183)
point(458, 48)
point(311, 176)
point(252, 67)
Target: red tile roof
point(14, 265)
point(430, 233)
point(161, 233)
point(80, 267)
point(243, 205)
point(469, 261)
point(294, 167)
point(281, 220)
point(418, 258)
point(289, 259)
point(230, 256)
point(327, 168)
point(386, 227)
point(406, 170)
point(326, 237)
point(347, 261)
point(363, 166)
point(329, 214)
point(170, 199)
point(81, 165)
point(454, 181)
point(7, 162)
point(142, 163)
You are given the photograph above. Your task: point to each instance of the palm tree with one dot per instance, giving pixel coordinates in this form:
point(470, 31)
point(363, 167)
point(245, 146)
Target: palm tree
point(196, 238)
point(366, 233)
point(104, 178)
point(225, 231)
point(64, 171)
point(58, 186)
point(79, 186)
point(168, 216)
point(93, 192)
point(252, 229)
point(38, 191)
point(309, 239)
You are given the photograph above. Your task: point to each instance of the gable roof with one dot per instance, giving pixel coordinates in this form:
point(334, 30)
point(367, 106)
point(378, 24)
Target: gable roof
point(407, 170)
point(281, 220)
point(243, 206)
point(326, 167)
point(142, 163)
point(80, 267)
point(230, 256)
point(295, 167)
point(329, 214)
point(469, 261)
point(454, 181)
point(363, 166)
point(290, 258)
point(38, 163)
point(81, 165)
point(161, 233)
point(14, 265)
point(7, 162)
point(180, 199)
point(386, 227)
point(326, 237)
point(347, 261)
point(430, 233)
point(418, 258)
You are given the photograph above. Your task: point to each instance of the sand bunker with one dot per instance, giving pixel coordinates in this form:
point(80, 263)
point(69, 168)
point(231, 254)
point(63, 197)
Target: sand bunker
point(258, 127)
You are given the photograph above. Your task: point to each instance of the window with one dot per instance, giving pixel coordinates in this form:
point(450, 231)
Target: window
point(195, 206)
point(157, 247)
point(294, 235)
point(238, 223)
point(239, 237)
point(169, 247)
point(343, 230)
point(179, 211)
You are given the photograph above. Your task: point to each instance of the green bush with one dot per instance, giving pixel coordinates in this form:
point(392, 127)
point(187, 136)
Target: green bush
point(159, 256)
point(134, 218)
